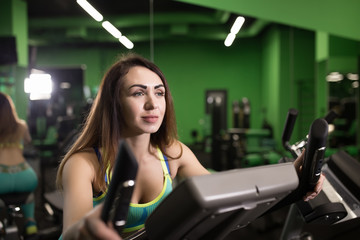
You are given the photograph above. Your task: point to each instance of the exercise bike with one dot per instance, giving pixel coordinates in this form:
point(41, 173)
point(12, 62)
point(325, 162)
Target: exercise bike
point(212, 206)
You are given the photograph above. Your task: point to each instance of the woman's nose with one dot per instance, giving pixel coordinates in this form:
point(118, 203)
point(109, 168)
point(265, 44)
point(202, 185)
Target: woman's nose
point(151, 103)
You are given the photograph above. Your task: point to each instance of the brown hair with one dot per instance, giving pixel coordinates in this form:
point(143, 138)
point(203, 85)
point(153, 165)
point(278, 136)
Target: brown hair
point(9, 121)
point(102, 127)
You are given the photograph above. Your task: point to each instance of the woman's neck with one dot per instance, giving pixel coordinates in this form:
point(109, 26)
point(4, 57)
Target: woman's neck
point(140, 145)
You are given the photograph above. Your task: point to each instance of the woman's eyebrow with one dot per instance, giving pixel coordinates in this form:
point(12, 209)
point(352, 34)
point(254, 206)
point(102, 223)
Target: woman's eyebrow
point(138, 85)
point(159, 86)
point(145, 87)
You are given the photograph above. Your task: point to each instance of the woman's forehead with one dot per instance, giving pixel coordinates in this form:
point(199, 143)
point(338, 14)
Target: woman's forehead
point(141, 75)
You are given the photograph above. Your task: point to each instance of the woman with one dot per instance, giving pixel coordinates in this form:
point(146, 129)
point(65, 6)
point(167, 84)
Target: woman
point(134, 103)
point(16, 175)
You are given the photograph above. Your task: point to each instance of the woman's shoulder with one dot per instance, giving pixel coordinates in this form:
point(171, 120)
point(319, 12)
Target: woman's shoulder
point(174, 149)
point(24, 131)
point(178, 150)
point(22, 126)
point(85, 160)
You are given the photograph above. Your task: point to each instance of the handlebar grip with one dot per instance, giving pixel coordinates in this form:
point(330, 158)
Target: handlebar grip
point(314, 154)
point(311, 168)
point(121, 187)
point(289, 126)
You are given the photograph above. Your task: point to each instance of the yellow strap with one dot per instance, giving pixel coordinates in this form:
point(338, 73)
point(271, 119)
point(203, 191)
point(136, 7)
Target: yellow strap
point(108, 174)
point(163, 164)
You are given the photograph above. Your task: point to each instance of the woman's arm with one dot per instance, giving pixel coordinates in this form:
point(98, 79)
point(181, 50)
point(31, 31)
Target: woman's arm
point(26, 134)
point(78, 175)
point(91, 227)
point(187, 165)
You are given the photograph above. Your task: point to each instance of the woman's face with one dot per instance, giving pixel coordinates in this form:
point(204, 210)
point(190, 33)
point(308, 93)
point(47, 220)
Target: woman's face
point(143, 101)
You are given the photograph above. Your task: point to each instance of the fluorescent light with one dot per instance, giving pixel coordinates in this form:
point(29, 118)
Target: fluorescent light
point(90, 10)
point(237, 25)
point(111, 29)
point(229, 39)
point(40, 96)
point(39, 86)
point(126, 42)
point(234, 30)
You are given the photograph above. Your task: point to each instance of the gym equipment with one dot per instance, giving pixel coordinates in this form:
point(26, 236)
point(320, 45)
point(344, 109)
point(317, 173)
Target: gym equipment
point(337, 203)
point(315, 145)
point(121, 187)
point(211, 206)
point(9, 227)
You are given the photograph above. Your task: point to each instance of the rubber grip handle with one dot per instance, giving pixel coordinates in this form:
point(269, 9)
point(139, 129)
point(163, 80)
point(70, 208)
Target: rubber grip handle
point(289, 126)
point(121, 186)
point(314, 153)
point(311, 168)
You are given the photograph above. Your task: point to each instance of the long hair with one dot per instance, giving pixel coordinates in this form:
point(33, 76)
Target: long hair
point(105, 121)
point(9, 121)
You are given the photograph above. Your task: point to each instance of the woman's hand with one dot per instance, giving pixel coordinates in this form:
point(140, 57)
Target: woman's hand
point(318, 187)
point(91, 227)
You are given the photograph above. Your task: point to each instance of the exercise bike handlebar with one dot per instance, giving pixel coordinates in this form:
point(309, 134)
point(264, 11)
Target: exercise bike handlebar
point(288, 129)
point(330, 117)
point(315, 145)
point(314, 153)
point(296, 149)
point(121, 187)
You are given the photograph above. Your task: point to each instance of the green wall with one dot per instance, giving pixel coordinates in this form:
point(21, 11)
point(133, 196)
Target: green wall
point(276, 70)
point(190, 69)
point(288, 78)
point(14, 23)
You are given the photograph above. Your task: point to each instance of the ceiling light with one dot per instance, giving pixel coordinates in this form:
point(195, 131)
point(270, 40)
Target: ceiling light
point(237, 25)
point(229, 39)
point(90, 10)
point(234, 30)
point(111, 29)
point(126, 42)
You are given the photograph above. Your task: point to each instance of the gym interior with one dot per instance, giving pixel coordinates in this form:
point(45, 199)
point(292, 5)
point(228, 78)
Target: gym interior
point(232, 101)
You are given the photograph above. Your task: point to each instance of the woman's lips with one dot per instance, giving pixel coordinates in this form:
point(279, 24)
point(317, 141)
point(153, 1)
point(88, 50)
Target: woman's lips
point(150, 119)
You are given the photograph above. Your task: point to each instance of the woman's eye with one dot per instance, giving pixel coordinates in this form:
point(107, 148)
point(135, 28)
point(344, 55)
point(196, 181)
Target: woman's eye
point(160, 94)
point(136, 94)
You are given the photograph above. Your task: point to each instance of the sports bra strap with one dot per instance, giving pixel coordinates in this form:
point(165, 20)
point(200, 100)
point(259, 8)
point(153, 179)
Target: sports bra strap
point(164, 164)
point(97, 153)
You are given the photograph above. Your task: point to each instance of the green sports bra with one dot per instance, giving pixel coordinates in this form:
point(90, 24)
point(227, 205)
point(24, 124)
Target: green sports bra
point(138, 212)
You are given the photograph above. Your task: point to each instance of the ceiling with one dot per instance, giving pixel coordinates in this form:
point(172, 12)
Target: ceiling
point(64, 22)
point(338, 18)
